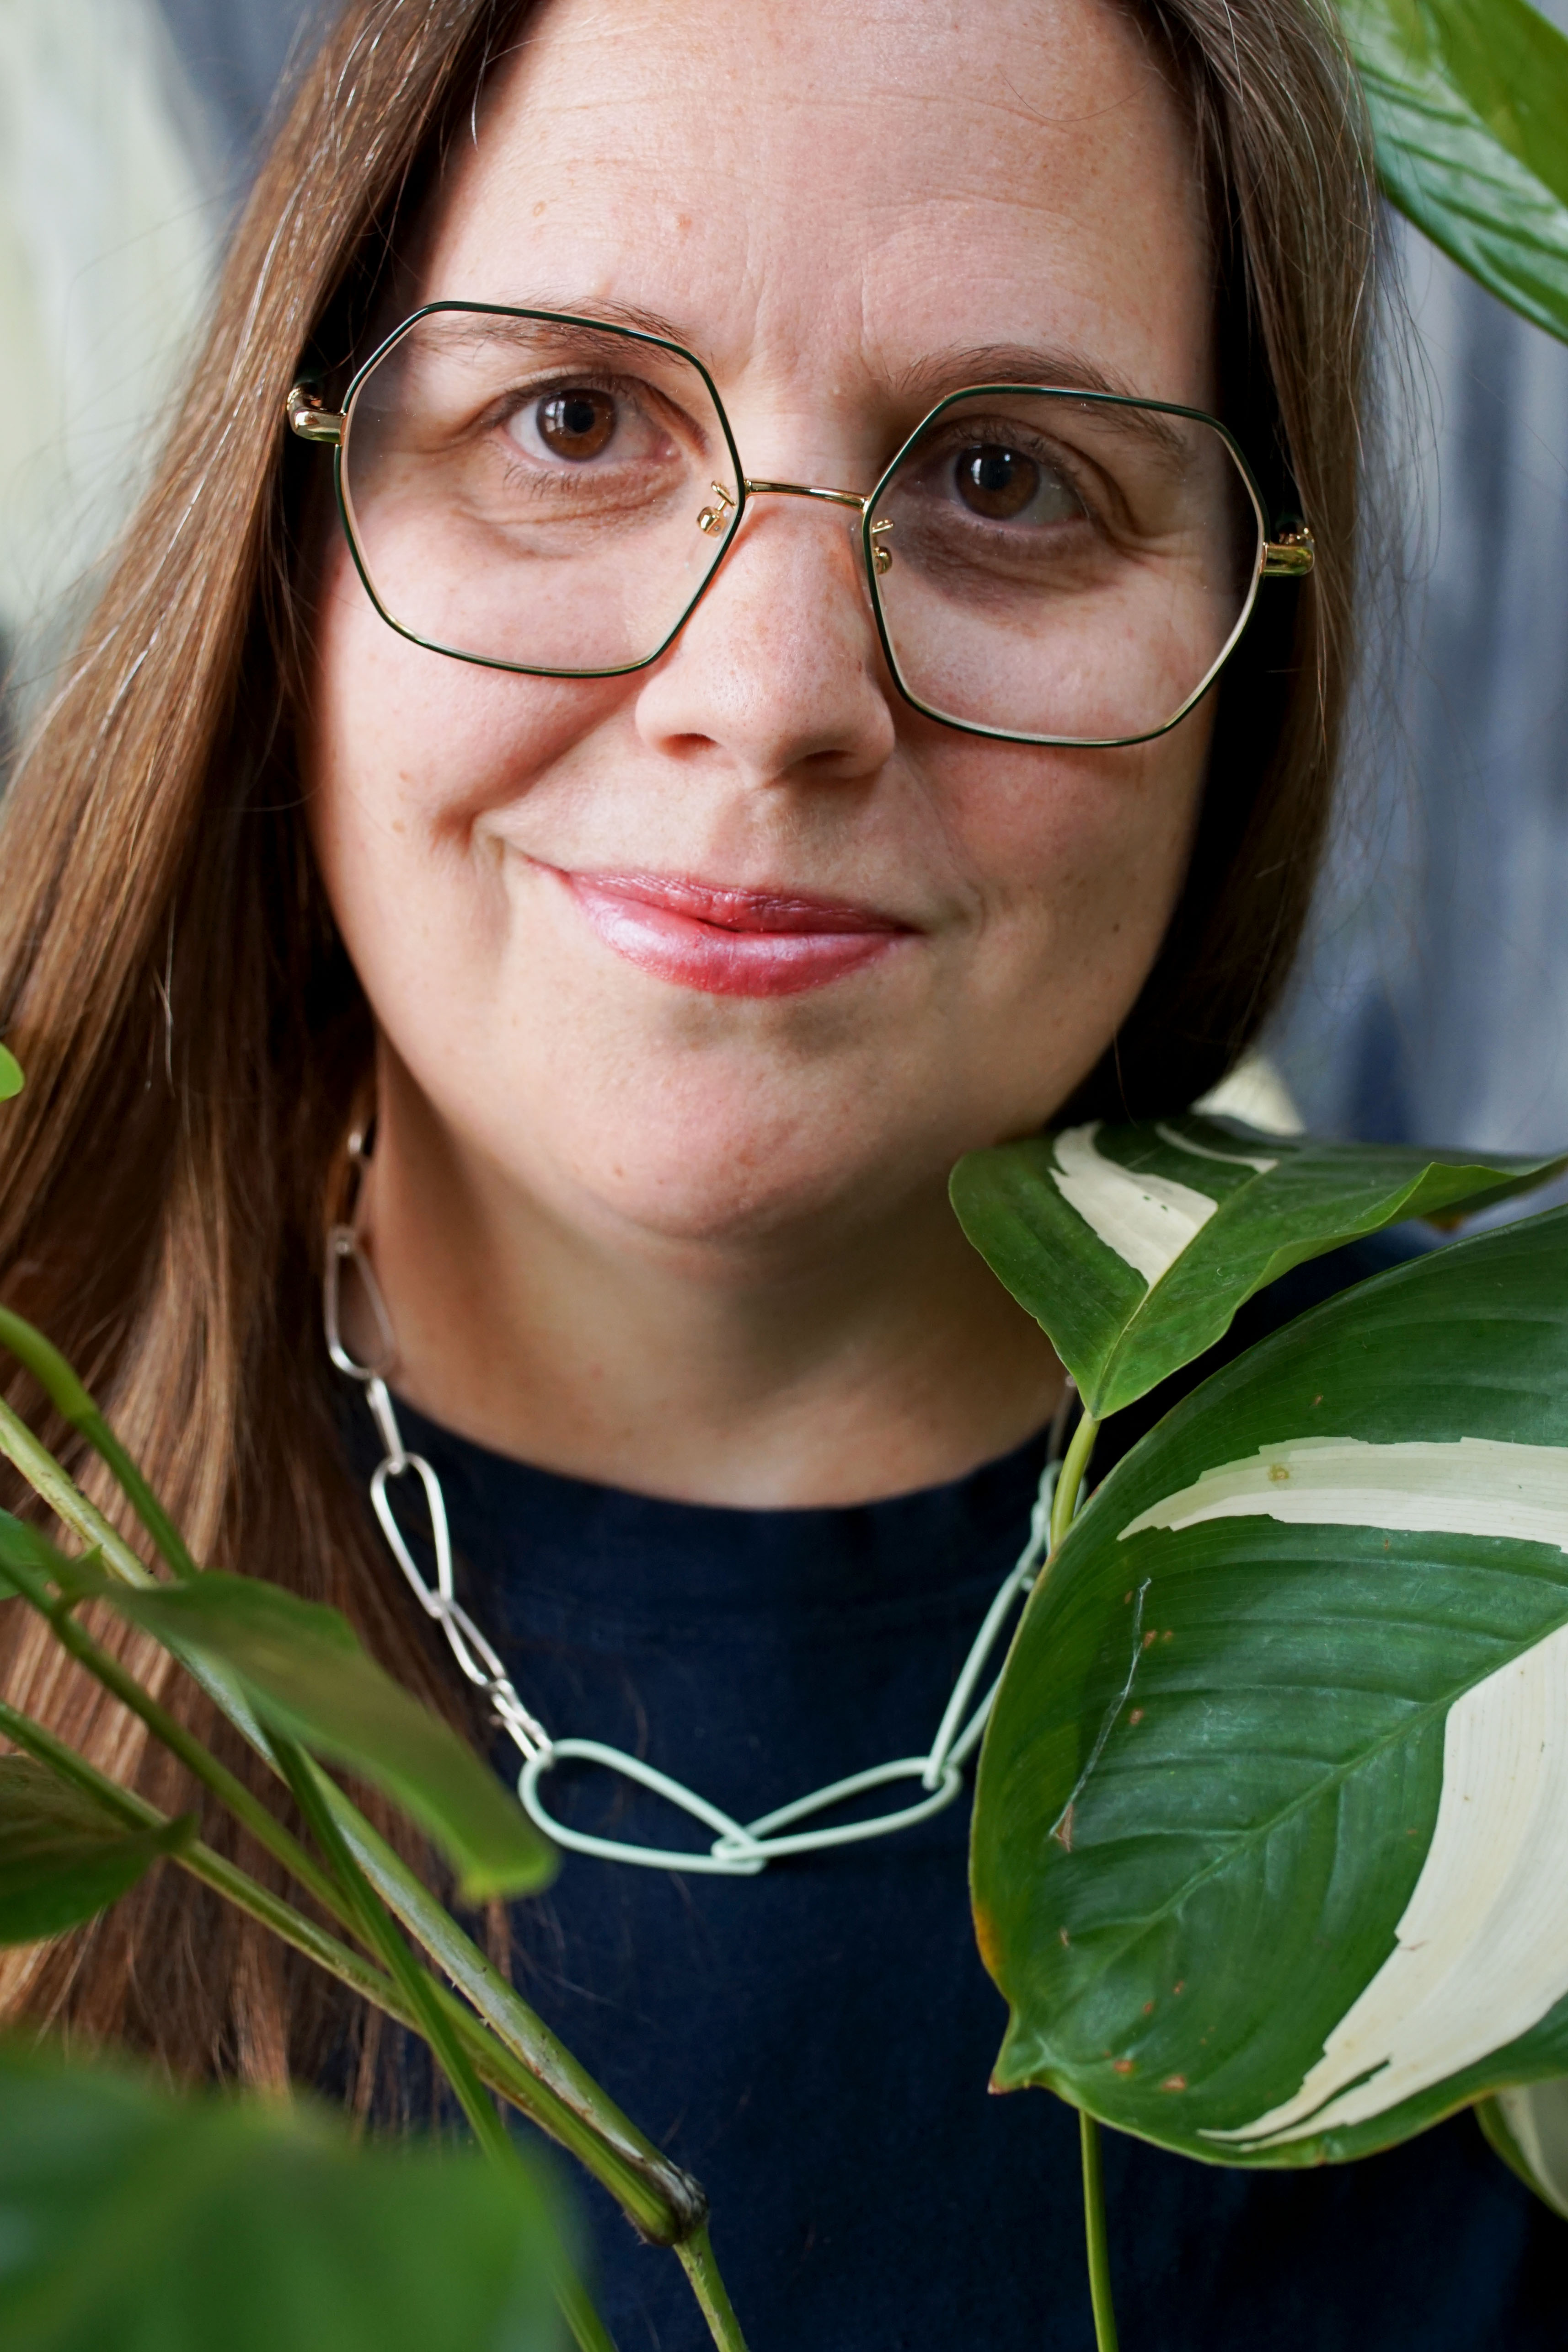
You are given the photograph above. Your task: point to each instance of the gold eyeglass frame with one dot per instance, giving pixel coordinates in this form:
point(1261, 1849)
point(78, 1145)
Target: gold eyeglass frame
point(1290, 556)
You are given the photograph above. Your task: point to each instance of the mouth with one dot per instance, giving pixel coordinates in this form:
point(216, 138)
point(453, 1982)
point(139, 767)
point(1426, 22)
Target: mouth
point(729, 943)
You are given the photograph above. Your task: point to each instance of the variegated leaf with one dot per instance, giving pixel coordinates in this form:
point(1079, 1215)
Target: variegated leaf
point(1134, 1246)
point(1271, 1848)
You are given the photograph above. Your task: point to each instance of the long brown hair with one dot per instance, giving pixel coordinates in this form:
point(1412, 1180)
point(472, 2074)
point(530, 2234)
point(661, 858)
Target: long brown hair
point(171, 979)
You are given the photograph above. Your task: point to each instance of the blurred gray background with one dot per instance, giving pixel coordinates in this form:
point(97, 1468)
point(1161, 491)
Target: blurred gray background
point(1432, 1003)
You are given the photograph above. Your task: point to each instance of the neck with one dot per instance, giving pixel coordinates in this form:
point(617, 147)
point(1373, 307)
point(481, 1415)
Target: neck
point(852, 1358)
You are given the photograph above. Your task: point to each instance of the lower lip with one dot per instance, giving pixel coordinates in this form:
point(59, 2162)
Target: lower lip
point(740, 954)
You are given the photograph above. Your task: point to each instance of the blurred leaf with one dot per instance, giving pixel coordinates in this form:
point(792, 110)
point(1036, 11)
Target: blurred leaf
point(1268, 1843)
point(1134, 1246)
point(132, 2221)
point(62, 1859)
point(307, 1677)
point(1528, 2127)
point(1469, 101)
point(301, 1668)
point(10, 1079)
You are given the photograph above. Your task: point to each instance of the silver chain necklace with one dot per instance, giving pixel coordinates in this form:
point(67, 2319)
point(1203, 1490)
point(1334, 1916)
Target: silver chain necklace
point(739, 1849)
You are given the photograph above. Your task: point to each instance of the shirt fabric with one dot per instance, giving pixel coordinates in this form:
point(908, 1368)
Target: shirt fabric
point(814, 2043)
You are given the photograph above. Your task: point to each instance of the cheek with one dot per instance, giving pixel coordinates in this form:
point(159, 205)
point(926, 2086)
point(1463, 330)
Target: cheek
point(1078, 860)
point(1076, 842)
point(405, 749)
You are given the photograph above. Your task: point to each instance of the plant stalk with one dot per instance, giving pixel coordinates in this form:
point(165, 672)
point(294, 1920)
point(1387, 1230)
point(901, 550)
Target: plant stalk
point(713, 2300)
point(662, 2202)
point(231, 1792)
point(494, 2062)
point(66, 1499)
point(71, 1399)
point(1094, 2231)
point(1070, 1479)
point(381, 1933)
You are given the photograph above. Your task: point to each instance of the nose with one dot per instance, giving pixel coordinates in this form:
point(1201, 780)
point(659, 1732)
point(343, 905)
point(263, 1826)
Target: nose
point(778, 669)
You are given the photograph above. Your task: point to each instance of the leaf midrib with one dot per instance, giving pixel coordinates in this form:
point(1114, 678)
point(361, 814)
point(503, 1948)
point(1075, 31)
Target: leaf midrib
point(1256, 1833)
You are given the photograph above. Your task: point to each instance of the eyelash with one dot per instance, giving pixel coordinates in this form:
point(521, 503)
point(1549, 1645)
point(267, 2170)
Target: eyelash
point(1046, 454)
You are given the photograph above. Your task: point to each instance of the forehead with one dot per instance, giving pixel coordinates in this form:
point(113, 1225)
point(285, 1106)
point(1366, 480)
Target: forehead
point(810, 191)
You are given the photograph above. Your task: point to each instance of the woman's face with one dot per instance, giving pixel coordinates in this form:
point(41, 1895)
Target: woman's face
point(845, 213)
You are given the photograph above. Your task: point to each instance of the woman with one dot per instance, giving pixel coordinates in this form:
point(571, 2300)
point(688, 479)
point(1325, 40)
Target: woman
point(681, 874)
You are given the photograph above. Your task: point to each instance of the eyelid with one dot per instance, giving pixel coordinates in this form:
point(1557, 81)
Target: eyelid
point(1103, 511)
point(661, 413)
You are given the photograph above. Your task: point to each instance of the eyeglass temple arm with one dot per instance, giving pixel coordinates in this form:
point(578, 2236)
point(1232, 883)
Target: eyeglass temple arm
point(310, 419)
point(1289, 557)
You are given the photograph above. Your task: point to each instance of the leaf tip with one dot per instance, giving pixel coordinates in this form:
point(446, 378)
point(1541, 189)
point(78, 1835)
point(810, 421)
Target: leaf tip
point(508, 1880)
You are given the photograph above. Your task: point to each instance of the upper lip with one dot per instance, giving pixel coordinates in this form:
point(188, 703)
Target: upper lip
point(730, 909)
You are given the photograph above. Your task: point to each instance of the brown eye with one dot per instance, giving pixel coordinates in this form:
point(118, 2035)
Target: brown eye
point(996, 482)
point(578, 423)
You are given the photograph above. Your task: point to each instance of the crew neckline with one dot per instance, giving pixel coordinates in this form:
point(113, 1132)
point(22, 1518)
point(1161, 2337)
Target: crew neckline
point(520, 1529)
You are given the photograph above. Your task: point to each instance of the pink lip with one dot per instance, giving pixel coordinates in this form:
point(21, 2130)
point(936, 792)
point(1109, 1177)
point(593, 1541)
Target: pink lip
point(731, 942)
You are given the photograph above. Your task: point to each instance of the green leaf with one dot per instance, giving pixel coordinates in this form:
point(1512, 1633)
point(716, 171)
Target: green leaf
point(1134, 1246)
point(10, 1079)
point(1528, 2127)
point(62, 1858)
point(303, 1671)
point(1267, 1845)
point(132, 2221)
point(1469, 101)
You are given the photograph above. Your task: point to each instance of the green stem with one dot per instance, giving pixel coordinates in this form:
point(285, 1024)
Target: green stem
point(1070, 1479)
point(588, 2332)
point(68, 1503)
point(231, 1792)
point(495, 2063)
point(659, 2200)
point(446, 2043)
point(662, 2202)
point(713, 2301)
point(225, 1879)
point(1094, 2231)
point(381, 1933)
point(71, 1401)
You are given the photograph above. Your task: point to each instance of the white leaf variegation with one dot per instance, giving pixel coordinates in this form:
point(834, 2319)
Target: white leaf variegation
point(1294, 1883)
point(1147, 1219)
point(1482, 1950)
point(1471, 1487)
point(1534, 2116)
point(1134, 1246)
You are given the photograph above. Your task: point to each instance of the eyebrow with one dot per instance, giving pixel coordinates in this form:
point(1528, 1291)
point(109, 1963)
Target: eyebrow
point(598, 313)
point(1052, 368)
point(1058, 369)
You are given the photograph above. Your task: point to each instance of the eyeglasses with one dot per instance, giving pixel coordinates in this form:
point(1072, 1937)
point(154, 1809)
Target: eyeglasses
point(541, 492)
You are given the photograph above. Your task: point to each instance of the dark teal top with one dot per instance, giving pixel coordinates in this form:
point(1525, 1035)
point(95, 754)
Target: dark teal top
point(814, 2043)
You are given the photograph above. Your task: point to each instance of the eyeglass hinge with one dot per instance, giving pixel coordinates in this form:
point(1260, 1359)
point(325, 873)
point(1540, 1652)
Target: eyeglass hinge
point(310, 419)
point(1289, 557)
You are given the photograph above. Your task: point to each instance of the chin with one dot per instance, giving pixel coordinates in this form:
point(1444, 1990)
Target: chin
point(720, 1180)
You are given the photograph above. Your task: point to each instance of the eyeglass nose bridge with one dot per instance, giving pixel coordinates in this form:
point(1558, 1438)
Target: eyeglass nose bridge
point(713, 520)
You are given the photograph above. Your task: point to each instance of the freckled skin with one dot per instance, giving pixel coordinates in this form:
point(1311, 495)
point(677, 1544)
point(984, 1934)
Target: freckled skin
point(701, 1243)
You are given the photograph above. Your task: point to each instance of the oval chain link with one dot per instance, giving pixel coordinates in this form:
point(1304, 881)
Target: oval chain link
point(739, 1849)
